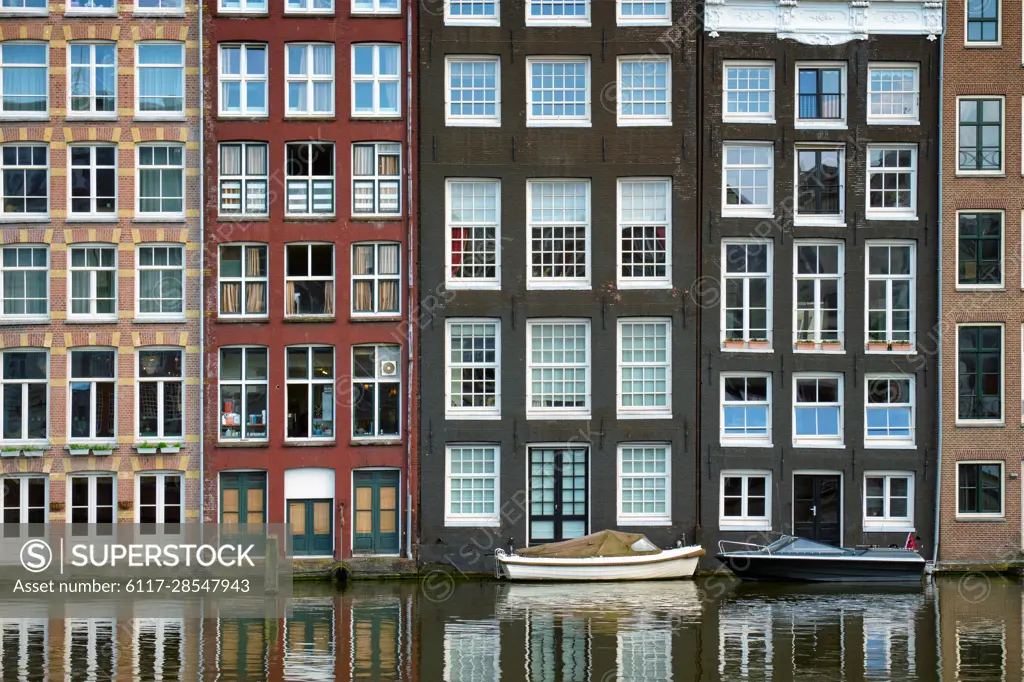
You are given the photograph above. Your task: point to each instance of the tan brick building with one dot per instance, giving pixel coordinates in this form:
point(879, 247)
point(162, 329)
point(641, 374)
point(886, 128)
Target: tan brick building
point(982, 301)
point(99, 270)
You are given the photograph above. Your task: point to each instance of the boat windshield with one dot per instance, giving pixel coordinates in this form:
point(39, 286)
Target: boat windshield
point(792, 545)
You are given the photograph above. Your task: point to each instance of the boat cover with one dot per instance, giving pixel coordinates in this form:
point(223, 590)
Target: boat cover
point(609, 543)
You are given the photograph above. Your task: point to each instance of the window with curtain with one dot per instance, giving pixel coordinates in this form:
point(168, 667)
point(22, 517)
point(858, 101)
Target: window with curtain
point(310, 6)
point(309, 74)
point(242, 6)
point(243, 178)
point(24, 74)
point(376, 79)
point(93, 282)
point(93, 183)
point(309, 178)
point(160, 5)
point(243, 280)
point(29, 6)
point(25, 170)
point(160, 384)
point(375, 278)
point(161, 276)
point(376, 7)
point(309, 280)
point(310, 387)
point(474, 223)
point(161, 179)
point(376, 390)
point(93, 6)
point(243, 393)
point(644, 231)
point(160, 71)
point(91, 393)
point(24, 287)
point(93, 78)
point(376, 179)
point(23, 379)
point(243, 79)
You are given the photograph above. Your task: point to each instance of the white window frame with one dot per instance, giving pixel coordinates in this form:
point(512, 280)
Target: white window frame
point(160, 316)
point(163, 10)
point(93, 477)
point(474, 121)
point(748, 117)
point(243, 383)
point(307, 7)
point(746, 277)
point(911, 403)
point(310, 181)
point(256, 7)
point(92, 214)
point(1000, 285)
point(1002, 377)
point(999, 29)
point(634, 120)
point(309, 381)
point(452, 520)
point(747, 440)
point(823, 219)
point(243, 79)
point(375, 10)
point(886, 522)
point(24, 383)
point(246, 180)
point(632, 282)
point(243, 280)
point(820, 441)
point(26, 216)
point(889, 279)
point(967, 516)
point(377, 78)
point(560, 283)
point(534, 413)
point(92, 67)
point(909, 213)
point(818, 278)
point(653, 519)
point(93, 381)
point(161, 383)
point(161, 503)
point(890, 119)
point(766, 210)
point(557, 20)
point(16, 115)
point(1002, 135)
point(309, 78)
point(376, 278)
point(92, 272)
point(378, 180)
point(643, 412)
point(377, 379)
point(161, 216)
point(554, 120)
point(23, 506)
point(644, 20)
point(745, 522)
point(28, 11)
point(844, 95)
point(472, 20)
point(161, 115)
point(25, 318)
point(332, 280)
point(453, 369)
point(451, 282)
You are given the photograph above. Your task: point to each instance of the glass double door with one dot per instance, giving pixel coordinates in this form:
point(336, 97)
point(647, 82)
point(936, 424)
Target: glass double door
point(817, 502)
point(558, 494)
point(310, 521)
point(376, 512)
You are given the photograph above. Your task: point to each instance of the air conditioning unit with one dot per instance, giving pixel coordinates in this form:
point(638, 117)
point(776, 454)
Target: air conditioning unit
point(388, 368)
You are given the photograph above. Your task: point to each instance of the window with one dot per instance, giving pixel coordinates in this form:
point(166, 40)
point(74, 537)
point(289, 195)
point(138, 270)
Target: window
point(747, 299)
point(821, 94)
point(25, 384)
point(25, 286)
point(888, 501)
point(375, 279)
point(243, 79)
point(243, 179)
point(93, 282)
point(746, 409)
point(243, 393)
point(645, 482)
point(818, 411)
point(473, 96)
point(26, 181)
point(979, 488)
point(558, 369)
point(24, 80)
point(309, 176)
point(644, 93)
point(93, 185)
point(160, 6)
point(161, 291)
point(92, 394)
point(892, 183)
point(891, 294)
point(243, 280)
point(980, 373)
point(633, 12)
point(242, 6)
point(159, 497)
point(160, 80)
point(558, 215)
point(558, 12)
point(161, 390)
point(645, 228)
point(980, 135)
point(377, 179)
point(748, 173)
point(309, 279)
point(819, 191)
point(983, 22)
point(472, 12)
point(645, 368)
point(161, 181)
point(376, 392)
point(26, 7)
point(818, 293)
point(746, 498)
point(309, 73)
point(473, 367)
point(24, 501)
point(376, 80)
point(889, 410)
point(309, 6)
point(310, 387)
point(93, 79)
point(472, 485)
point(558, 91)
point(474, 229)
point(93, 498)
point(980, 250)
point(893, 93)
point(749, 92)
point(376, 7)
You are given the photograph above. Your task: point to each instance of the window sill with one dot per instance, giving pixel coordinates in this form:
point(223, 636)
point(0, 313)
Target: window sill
point(875, 528)
point(819, 125)
point(818, 222)
point(374, 441)
point(241, 14)
point(890, 445)
point(311, 15)
point(308, 318)
point(15, 219)
point(24, 320)
point(980, 424)
point(242, 116)
point(478, 286)
point(642, 415)
point(493, 23)
point(327, 118)
point(470, 123)
point(980, 287)
point(33, 12)
point(904, 217)
point(641, 23)
point(752, 524)
point(167, 118)
point(748, 119)
point(971, 45)
point(242, 219)
point(759, 213)
point(746, 346)
point(818, 445)
point(91, 219)
point(569, 123)
point(139, 319)
point(79, 12)
point(374, 318)
point(10, 118)
point(472, 523)
point(370, 118)
point(891, 349)
point(980, 174)
point(146, 13)
point(470, 416)
point(242, 320)
point(895, 122)
point(373, 15)
point(326, 443)
point(556, 416)
point(557, 24)
point(725, 443)
point(820, 348)
point(641, 521)
point(88, 117)
point(91, 320)
point(140, 219)
point(382, 218)
point(243, 444)
point(642, 123)
point(309, 218)
point(640, 285)
point(980, 518)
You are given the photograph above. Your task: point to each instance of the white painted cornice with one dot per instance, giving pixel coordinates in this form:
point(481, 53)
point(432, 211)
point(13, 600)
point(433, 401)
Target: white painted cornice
point(824, 22)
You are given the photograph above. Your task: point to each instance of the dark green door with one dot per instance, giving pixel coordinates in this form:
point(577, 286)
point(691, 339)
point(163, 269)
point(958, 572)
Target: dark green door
point(558, 494)
point(243, 504)
point(311, 527)
point(376, 512)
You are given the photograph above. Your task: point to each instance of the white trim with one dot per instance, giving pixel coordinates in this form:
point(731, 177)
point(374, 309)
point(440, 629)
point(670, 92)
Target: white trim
point(472, 121)
point(891, 213)
point(377, 78)
point(25, 216)
point(24, 400)
point(91, 114)
point(47, 270)
point(452, 520)
point(243, 383)
point(243, 279)
point(564, 445)
point(844, 94)
point(548, 413)
point(161, 216)
point(243, 7)
point(470, 19)
point(92, 381)
point(167, 268)
point(823, 219)
point(161, 384)
point(818, 332)
point(633, 120)
point(376, 380)
point(376, 279)
point(375, 11)
point(818, 440)
point(879, 119)
point(309, 381)
point(665, 281)
point(638, 520)
point(23, 494)
point(553, 20)
point(968, 516)
point(1002, 136)
point(1002, 251)
point(560, 283)
point(243, 79)
point(749, 441)
point(748, 117)
point(644, 20)
point(329, 282)
point(489, 283)
point(643, 412)
point(889, 279)
point(16, 115)
point(765, 210)
point(911, 402)
point(452, 412)
point(307, 7)
point(93, 168)
point(745, 277)
point(137, 70)
point(1002, 375)
point(745, 522)
point(92, 477)
point(556, 121)
point(92, 272)
point(998, 42)
point(378, 180)
point(976, 626)
point(842, 504)
point(308, 180)
point(888, 523)
point(309, 79)
point(161, 502)
point(152, 648)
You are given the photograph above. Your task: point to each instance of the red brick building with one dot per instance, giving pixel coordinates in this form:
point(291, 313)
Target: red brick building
point(309, 369)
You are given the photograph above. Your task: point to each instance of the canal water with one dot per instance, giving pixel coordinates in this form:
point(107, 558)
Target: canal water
point(964, 629)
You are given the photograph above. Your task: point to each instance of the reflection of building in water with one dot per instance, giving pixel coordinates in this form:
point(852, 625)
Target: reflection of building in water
point(241, 647)
point(980, 651)
point(158, 651)
point(472, 651)
point(644, 650)
point(23, 647)
point(90, 648)
point(379, 641)
point(744, 641)
point(980, 629)
point(309, 644)
point(557, 643)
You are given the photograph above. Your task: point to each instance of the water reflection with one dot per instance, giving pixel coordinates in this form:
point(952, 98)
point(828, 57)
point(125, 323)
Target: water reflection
point(712, 629)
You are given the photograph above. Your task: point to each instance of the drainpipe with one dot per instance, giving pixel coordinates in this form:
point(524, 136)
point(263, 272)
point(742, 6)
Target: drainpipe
point(202, 297)
point(410, 249)
point(938, 471)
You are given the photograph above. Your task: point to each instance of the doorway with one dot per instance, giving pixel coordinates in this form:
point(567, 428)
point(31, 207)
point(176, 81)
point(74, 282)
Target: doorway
point(817, 507)
point(558, 494)
point(376, 512)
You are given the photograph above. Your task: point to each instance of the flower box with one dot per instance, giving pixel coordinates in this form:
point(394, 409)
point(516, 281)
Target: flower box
point(806, 345)
point(735, 343)
point(103, 451)
point(78, 449)
point(759, 344)
point(34, 451)
point(124, 505)
point(902, 346)
point(142, 450)
point(169, 449)
point(56, 506)
point(10, 452)
point(832, 346)
point(878, 345)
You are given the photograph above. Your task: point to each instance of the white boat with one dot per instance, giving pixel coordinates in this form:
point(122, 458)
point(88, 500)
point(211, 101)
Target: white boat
point(607, 555)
